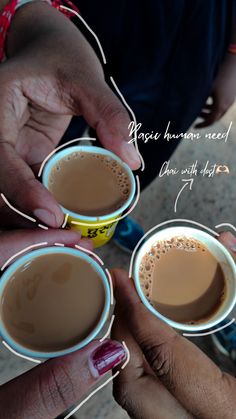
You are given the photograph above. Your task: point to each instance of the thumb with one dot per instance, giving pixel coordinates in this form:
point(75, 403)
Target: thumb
point(51, 388)
point(185, 371)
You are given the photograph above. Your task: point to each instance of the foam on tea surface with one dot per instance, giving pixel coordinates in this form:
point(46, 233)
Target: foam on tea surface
point(182, 280)
point(52, 302)
point(89, 183)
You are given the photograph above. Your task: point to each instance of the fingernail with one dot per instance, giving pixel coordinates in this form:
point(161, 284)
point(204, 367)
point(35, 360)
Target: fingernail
point(106, 357)
point(46, 217)
point(129, 151)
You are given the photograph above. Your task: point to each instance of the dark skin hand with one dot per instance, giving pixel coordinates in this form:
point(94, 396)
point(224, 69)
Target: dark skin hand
point(49, 389)
point(167, 376)
point(51, 74)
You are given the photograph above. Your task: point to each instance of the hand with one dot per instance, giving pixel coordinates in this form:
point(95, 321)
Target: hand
point(11, 242)
point(167, 376)
point(223, 93)
point(52, 73)
point(49, 389)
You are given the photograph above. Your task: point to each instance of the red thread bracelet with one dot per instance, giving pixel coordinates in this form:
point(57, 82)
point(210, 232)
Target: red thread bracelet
point(8, 13)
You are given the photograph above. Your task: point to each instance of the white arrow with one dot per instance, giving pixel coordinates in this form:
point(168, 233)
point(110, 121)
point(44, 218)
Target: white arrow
point(187, 182)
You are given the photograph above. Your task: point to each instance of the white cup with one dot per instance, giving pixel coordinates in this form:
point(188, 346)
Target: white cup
point(221, 254)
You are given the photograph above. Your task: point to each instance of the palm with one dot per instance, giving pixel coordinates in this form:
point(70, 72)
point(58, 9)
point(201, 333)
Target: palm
point(38, 125)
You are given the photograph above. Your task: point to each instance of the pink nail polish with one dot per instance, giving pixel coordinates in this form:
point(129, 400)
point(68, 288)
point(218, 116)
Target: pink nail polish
point(106, 357)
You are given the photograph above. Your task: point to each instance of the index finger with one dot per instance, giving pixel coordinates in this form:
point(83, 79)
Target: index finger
point(198, 384)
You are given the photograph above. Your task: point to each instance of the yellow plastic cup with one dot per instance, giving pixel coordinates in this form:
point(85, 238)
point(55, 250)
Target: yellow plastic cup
point(99, 229)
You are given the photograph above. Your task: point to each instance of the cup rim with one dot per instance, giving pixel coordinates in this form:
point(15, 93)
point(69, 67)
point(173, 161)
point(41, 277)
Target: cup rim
point(92, 335)
point(98, 150)
point(191, 231)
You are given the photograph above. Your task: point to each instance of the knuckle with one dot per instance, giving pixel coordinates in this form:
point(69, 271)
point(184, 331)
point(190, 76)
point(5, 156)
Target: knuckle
point(59, 389)
point(161, 359)
point(158, 356)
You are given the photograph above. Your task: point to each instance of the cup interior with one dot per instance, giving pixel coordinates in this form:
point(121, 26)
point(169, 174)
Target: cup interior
point(6, 277)
point(221, 254)
point(94, 150)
